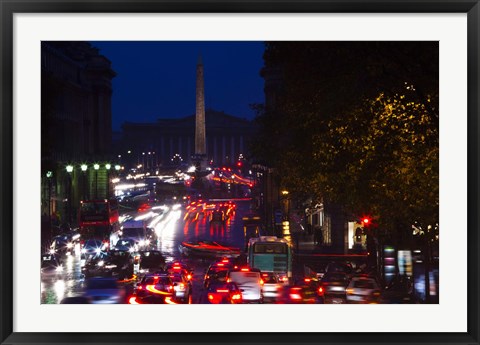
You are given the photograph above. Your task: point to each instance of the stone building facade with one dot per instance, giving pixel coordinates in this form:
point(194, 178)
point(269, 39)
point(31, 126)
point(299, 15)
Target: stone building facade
point(76, 118)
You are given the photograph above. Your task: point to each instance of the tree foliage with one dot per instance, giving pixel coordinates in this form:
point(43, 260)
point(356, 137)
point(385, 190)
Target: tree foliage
point(356, 123)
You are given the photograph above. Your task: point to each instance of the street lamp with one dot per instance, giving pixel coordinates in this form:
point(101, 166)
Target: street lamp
point(108, 166)
point(49, 181)
point(84, 168)
point(96, 167)
point(69, 169)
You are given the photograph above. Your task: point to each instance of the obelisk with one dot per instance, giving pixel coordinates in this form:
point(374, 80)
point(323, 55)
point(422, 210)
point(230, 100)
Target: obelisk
point(200, 147)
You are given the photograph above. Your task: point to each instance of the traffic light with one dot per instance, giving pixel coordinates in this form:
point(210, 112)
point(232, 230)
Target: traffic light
point(366, 221)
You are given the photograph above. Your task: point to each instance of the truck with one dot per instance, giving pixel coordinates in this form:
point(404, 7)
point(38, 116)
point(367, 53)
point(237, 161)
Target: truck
point(138, 231)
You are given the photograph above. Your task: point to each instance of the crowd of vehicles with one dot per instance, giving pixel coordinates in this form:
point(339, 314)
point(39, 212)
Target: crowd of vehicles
point(121, 263)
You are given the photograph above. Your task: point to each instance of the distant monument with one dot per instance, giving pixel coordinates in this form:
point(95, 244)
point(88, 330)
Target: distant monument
point(199, 158)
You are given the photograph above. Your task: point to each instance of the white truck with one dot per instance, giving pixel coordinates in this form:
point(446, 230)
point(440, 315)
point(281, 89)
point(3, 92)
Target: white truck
point(138, 231)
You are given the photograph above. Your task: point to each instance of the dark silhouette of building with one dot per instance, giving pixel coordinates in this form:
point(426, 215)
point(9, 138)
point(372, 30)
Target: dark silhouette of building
point(76, 129)
point(172, 141)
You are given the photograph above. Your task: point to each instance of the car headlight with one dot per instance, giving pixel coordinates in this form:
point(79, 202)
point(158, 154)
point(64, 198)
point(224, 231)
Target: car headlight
point(52, 251)
point(59, 269)
point(100, 263)
point(69, 245)
point(141, 243)
point(83, 250)
point(147, 242)
point(98, 250)
point(131, 250)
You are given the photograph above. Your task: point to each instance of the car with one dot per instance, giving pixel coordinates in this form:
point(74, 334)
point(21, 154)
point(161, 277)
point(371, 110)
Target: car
point(249, 280)
point(178, 266)
point(126, 245)
point(217, 272)
point(302, 291)
point(156, 286)
point(115, 263)
point(363, 290)
point(182, 287)
point(341, 267)
point(103, 290)
point(64, 244)
point(51, 263)
point(151, 260)
point(334, 285)
point(92, 248)
point(224, 293)
point(272, 287)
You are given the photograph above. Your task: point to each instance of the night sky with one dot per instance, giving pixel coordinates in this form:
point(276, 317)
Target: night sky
point(157, 79)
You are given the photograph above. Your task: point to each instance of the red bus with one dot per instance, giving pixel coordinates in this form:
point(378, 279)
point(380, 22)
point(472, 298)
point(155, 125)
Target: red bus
point(99, 219)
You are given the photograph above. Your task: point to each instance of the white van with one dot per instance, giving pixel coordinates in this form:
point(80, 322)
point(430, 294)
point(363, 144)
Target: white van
point(250, 283)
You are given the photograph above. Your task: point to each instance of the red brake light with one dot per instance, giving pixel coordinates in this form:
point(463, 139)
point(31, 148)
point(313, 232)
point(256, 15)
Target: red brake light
point(320, 290)
point(222, 290)
point(245, 270)
point(261, 281)
point(210, 296)
point(140, 287)
point(237, 296)
point(307, 280)
point(189, 277)
point(220, 264)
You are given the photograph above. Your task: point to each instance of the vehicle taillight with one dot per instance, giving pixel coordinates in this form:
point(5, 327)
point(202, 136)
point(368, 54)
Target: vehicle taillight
point(132, 300)
point(189, 277)
point(210, 297)
point(295, 296)
point(320, 290)
point(350, 290)
point(221, 290)
point(237, 296)
point(307, 280)
point(244, 269)
point(261, 281)
point(140, 287)
point(220, 264)
point(229, 280)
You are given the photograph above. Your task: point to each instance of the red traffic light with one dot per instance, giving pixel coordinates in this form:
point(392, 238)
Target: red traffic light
point(239, 164)
point(366, 221)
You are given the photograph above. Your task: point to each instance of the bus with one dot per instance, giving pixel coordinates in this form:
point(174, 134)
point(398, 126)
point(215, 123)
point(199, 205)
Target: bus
point(99, 219)
point(271, 254)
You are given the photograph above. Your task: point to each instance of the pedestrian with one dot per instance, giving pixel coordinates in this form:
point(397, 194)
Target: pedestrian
point(317, 236)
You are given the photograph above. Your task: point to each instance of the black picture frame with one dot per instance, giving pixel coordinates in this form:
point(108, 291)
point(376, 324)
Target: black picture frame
point(10, 7)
